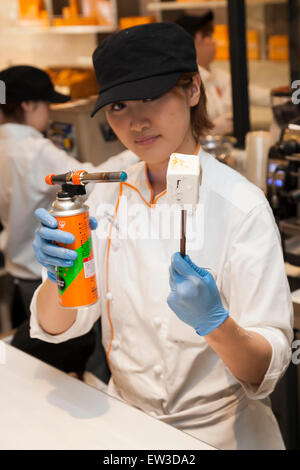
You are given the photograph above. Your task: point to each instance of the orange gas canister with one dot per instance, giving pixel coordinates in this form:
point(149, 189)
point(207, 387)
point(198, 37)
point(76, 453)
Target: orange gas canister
point(77, 285)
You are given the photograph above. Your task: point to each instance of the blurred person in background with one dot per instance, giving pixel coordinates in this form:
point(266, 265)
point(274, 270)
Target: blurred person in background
point(26, 158)
point(217, 82)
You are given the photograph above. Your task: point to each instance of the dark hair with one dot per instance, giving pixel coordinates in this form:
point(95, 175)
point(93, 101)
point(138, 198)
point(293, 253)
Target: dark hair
point(13, 112)
point(194, 24)
point(200, 121)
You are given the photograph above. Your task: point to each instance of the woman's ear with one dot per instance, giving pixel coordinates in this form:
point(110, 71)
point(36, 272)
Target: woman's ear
point(28, 106)
point(194, 90)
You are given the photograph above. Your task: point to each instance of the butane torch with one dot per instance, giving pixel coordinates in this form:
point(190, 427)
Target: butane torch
point(77, 285)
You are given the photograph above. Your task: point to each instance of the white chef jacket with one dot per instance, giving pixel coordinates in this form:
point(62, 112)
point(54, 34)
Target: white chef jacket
point(158, 363)
point(26, 157)
point(217, 84)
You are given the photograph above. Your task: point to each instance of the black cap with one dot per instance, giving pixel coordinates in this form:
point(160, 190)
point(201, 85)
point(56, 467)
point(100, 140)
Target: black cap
point(142, 62)
point(26, 83)
point(193, 24)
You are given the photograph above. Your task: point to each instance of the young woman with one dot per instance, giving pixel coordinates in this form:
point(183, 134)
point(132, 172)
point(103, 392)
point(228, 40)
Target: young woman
point(200, 354)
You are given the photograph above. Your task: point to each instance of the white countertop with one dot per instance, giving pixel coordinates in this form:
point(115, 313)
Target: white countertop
point(44, 408)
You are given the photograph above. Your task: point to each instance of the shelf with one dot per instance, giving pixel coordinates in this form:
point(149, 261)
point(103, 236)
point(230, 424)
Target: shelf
point(27, 26)
point(265, 2)
point(161, 6)
point(62, 29)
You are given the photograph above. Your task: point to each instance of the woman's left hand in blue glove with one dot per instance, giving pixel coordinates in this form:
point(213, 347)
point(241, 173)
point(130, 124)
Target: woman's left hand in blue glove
point(194, 296)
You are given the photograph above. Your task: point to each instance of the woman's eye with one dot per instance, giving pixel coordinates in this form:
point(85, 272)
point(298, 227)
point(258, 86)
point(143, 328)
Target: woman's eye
point(117, 106)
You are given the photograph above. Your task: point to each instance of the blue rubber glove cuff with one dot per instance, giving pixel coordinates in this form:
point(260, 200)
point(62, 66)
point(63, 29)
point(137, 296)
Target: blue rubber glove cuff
point(214, 325)
point(224, 314)
point(194, 296)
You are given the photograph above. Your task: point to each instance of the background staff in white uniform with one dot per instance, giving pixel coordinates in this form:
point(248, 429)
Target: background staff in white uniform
point(204, 356)
point(217, 82)
point(26, 158)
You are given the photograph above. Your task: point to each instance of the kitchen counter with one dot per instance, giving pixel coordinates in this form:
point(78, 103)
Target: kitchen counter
point(44, 408)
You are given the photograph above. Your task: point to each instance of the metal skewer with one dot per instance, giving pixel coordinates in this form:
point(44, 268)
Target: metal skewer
point(183, 232)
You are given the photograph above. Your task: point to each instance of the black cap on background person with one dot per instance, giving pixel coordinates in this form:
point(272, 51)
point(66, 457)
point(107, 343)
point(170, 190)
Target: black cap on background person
point(29, 91)
point(27, 83)
point(194, 24)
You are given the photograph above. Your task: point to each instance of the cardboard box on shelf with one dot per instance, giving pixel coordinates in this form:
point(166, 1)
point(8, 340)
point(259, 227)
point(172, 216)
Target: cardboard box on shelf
point(30, 8)
point(221, 36)
point(192, 1)
point(75, 21)
point(278, 47)
point(70, 16)
point(76, 81)
point(101, 10)
point(253, 44)
point(129, 21)
point(74, 7)
point(33, 13)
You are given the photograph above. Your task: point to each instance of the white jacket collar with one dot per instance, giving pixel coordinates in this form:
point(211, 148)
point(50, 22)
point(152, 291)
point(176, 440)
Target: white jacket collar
point(137, 178)
point(204, 73)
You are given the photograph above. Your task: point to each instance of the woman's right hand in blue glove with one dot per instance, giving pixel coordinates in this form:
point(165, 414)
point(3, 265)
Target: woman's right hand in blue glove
point(48, 254)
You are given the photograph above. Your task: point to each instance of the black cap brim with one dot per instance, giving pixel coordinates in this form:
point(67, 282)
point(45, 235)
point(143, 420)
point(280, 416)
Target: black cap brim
point(147, 88)
point(56, 97)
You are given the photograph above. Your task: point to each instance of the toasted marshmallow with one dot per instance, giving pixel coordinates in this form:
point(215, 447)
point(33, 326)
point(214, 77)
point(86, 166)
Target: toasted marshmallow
point(183, 180)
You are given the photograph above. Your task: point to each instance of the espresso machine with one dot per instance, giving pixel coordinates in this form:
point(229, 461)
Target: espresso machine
point(283, 183)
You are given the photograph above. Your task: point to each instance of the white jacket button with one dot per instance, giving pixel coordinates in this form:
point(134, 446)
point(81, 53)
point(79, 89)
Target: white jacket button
point(115, 244)
point(109, 296)
point(158, 370)
point(157, 322)
point(115, 344)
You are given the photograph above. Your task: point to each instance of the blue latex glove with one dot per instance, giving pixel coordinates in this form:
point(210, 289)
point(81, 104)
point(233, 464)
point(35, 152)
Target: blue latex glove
point(48, 254)
point(194, 296)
